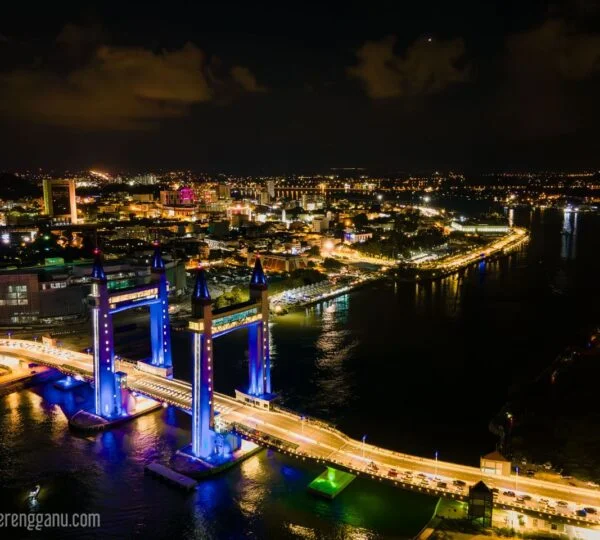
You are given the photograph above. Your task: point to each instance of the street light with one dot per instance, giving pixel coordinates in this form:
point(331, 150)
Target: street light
point(364, 438)
point(516, 477)
point(436, 464)
point(302, 419)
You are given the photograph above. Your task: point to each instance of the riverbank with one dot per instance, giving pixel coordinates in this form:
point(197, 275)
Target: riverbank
point(21, 378)
point(559, 404)
point(304, 302)
point(452, 264)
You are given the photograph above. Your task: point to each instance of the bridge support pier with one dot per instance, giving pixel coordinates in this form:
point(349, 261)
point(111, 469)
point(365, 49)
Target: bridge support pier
point(202, 396)
point(160, 328)
point(203, 435)
point(68, 383)
point(105, 392)
point(330, 483)
point(259, 360)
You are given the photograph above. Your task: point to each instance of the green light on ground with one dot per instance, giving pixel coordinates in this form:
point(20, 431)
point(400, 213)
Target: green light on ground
point(330, 482)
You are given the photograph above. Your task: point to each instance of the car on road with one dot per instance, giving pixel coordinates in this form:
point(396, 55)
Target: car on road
point(590, 510)
point(459, 483)
point(421, 475)
point(562, 504)
point(372, 467)
point(393, 473)
point(442, 485)
point(526, 497)
point(509, 493)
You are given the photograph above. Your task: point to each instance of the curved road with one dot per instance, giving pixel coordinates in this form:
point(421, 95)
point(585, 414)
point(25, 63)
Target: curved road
point(316, 440)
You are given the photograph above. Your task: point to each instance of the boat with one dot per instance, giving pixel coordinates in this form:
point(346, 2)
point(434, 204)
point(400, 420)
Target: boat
point(34, 492)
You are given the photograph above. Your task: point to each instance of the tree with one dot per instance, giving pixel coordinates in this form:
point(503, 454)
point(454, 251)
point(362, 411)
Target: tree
point(360, 220)
point(331, 264)
point(236, 295)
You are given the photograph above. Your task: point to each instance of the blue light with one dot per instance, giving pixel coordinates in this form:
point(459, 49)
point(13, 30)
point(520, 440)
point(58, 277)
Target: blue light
point(200, 286)
point(258, 276)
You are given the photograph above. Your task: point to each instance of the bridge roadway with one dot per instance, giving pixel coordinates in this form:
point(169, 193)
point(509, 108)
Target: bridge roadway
point(315, 440)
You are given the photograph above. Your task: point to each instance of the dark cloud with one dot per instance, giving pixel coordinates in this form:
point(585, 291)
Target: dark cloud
point(554, 50)
point(428, 66)
point(244, 77)
point(122, 88)
point(547, 87)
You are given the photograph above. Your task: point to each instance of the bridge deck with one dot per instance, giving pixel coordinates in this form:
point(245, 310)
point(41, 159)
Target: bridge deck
point(317, 441)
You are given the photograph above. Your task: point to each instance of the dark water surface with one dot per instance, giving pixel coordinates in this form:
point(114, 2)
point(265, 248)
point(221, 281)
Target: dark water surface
point(417, 368)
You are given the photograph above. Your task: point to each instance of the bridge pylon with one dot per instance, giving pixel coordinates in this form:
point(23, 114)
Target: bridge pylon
point(259, 361)
point(160, 329)
point(106, 402)
point(110, 386)
point(208, 324)
point(202, 378)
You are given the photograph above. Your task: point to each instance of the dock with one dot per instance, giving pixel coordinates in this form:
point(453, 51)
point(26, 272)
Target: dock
point(179, 480)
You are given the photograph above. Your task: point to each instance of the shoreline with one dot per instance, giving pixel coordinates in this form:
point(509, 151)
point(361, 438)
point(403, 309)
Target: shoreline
point(473, 257)
point(329, 296)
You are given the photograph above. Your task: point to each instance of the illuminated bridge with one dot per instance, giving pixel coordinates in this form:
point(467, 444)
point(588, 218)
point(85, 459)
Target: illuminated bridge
point(220, 422)
point(314, 440)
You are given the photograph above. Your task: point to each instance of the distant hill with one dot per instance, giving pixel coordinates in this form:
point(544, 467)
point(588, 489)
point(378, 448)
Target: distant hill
point(17, 187)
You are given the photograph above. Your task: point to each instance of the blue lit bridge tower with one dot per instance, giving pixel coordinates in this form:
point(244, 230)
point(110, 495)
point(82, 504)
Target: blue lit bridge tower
point(208, 324)
point(104, 303)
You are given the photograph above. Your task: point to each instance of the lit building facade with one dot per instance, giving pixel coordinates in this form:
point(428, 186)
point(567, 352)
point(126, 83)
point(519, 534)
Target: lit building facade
point(59, 200)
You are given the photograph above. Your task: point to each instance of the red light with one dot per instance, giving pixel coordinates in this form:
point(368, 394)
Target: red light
point(96, 251)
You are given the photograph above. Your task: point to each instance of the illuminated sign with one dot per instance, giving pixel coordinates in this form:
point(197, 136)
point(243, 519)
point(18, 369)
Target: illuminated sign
point(230, 320)
point(54, 261)
point(147, 294)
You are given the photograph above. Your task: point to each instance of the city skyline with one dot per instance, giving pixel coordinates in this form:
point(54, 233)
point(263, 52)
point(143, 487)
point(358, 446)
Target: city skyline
point(300, 271)
point(465, 86)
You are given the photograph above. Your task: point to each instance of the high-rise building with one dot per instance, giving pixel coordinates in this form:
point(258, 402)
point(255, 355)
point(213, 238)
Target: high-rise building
point(59, 200)
point(271, 188)
point(320, 224)
point(207, 196)
point(224, 191)
point(264, 197)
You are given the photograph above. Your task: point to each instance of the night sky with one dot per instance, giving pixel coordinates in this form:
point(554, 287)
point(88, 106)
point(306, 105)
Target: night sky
point(299, 87)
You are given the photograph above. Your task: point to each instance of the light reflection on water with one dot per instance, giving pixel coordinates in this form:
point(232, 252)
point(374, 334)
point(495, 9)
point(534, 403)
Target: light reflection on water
point(264, 497)
point(398, 361)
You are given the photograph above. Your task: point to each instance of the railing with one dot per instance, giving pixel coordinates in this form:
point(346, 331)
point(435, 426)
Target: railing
point(29, 348)
point(308, 419)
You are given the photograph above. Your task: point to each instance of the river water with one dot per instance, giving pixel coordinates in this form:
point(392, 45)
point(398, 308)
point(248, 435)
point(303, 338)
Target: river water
point(417, 368)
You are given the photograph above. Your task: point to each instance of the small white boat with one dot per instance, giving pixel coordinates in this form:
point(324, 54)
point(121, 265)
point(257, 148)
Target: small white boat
point(34, 492)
